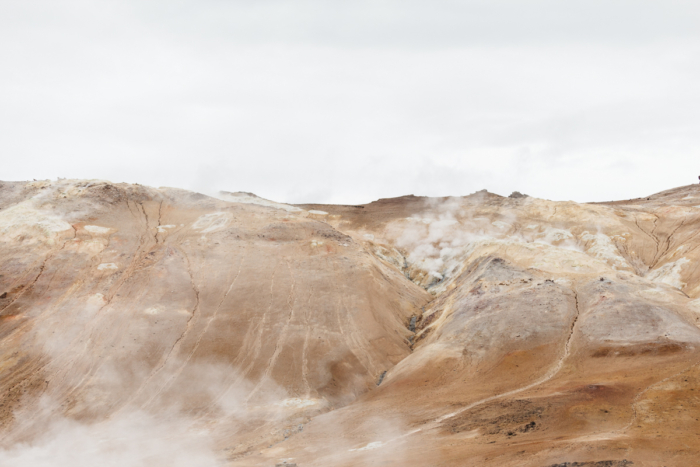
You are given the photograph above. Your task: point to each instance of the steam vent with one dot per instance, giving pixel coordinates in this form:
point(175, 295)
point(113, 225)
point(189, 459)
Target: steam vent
point(236, 331)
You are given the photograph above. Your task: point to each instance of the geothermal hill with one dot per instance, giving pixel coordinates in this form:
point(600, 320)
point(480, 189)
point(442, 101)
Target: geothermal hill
point(149, 327)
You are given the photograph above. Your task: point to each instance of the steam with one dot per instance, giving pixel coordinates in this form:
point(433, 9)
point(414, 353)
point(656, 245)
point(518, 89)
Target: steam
point(180, 426)
point(123, 413)
point(437, 239)
point(138, 439)
point(438, 242)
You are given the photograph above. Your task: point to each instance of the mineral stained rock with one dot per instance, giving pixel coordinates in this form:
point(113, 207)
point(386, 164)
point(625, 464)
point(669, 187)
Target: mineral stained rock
point(465, 331)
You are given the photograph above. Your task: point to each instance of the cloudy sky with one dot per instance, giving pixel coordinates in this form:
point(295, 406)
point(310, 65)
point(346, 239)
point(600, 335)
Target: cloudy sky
point(347, 101)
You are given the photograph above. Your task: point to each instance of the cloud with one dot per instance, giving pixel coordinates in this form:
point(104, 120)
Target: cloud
point(333, 102)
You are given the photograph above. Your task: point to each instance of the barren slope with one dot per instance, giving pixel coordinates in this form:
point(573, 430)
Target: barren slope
point(479, 330)
point(125, 298)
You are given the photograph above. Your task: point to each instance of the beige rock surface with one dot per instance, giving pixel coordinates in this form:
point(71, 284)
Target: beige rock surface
point(163, 327)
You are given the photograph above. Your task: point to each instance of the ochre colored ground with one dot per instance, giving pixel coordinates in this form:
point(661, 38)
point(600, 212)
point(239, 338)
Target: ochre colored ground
point(503, 331)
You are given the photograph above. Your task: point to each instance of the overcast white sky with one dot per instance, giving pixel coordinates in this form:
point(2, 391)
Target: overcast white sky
point(348, 101)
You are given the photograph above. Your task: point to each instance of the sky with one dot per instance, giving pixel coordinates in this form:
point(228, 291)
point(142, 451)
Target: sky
point(348, 101)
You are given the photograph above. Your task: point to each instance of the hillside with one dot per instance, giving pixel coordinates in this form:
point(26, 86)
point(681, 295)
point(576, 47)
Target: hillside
point(145, 326)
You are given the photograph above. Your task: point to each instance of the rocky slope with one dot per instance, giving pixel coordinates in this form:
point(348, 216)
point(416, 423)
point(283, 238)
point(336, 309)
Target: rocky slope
point(145, 326)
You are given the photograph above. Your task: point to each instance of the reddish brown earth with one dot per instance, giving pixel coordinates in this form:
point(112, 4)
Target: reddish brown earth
point(143, 326)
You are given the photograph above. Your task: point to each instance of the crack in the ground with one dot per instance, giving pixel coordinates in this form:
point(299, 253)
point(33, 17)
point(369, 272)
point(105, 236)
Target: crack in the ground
point(145, 215)
point(654, 236)
point(656, 241)
point(160, 209)
point(669, 239)
point(130, 269)
point(176, 344)
point(48, 257)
